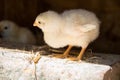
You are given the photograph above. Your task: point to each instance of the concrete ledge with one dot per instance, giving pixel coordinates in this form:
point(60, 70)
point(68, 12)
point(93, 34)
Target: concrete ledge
point(18, 65)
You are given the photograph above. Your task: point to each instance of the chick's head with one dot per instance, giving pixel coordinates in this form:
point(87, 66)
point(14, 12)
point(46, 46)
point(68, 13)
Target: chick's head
point(7, 28)
point(48, 21)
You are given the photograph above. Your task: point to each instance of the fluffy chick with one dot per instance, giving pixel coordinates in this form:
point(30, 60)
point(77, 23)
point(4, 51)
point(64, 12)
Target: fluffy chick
point(10, 31)
point(73, 28)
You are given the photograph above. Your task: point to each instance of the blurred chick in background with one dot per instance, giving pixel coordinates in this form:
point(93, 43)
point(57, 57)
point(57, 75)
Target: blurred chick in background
point(11, 32)
point(73, 28)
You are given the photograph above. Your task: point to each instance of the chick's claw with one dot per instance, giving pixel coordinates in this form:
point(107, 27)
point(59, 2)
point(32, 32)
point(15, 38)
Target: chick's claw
point(74, 59)
point(60, 56)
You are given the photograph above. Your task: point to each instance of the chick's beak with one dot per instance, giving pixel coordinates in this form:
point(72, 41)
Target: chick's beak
point(35, 24)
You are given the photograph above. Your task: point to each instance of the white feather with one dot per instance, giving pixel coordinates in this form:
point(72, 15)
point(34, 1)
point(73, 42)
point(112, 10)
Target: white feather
point(87, 27)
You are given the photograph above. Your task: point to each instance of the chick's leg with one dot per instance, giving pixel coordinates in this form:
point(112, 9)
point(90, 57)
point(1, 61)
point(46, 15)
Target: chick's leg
point(81, 53)
point(65, 54)
point(79, 57)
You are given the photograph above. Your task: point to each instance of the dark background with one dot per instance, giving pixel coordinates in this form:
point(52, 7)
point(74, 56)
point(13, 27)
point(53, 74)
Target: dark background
point(24, 12)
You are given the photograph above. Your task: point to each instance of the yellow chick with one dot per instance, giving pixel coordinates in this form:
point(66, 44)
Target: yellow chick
point(10, 31)
point(76, 27)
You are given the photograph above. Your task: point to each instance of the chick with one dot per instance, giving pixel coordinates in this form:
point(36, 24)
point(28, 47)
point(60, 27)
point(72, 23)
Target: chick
point(11, 32)
point(76, 27)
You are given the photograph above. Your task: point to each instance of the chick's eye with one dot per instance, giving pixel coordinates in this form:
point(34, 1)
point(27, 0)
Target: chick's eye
point(5, 27)
point(39, 22)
